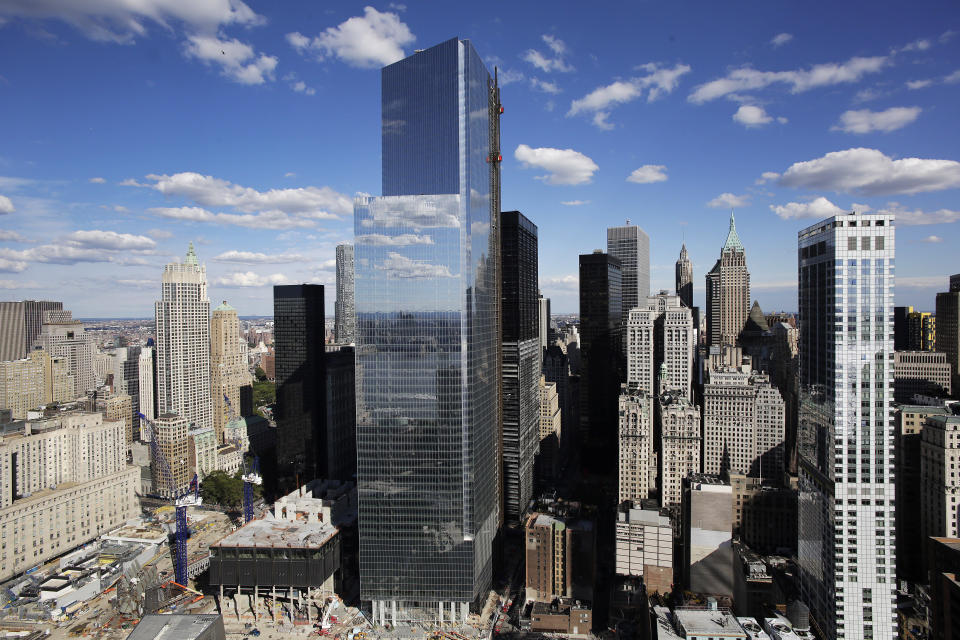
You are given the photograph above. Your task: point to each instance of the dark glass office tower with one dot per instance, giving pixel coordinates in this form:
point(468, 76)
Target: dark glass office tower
point(298, 334)
point(601, 345)
point(428, 336)
point(521, 360)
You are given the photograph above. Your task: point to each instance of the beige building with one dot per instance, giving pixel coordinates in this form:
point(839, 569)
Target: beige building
point(728, 292)
point(939, 482)
point(661, 342)
point(920, 373)
point(63, 337)
point(764, 516)
point(548, 460)
point(743, 425)
point(637, 467)
point(644, 547)
point(202, 448)
point(560, 558)
point(228, 366)
point(24, 383)
point(118, 408)
point(63, 482)
point(171, 433)
point(680, 446)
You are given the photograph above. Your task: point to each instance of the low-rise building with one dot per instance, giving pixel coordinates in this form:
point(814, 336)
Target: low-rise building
point(180, 626)
point(707, 624)
point(920, 372)
point(764, 516)
point(644, 547)
point(753, 586)
point(707, 535)
point(560, 557)
point(202, 450)
point(562, 615)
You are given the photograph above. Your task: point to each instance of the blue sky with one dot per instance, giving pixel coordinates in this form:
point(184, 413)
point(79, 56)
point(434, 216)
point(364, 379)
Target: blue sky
point(128, 129)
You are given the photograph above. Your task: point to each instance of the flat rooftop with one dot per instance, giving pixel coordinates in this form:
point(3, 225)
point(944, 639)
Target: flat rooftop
point(711, 622)
point(272, 532)
point(178, 627)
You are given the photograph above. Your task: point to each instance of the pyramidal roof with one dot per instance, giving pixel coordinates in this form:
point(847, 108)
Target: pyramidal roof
point(191, 256)
point(757, 317)
point(683, 252)
point(733, 240)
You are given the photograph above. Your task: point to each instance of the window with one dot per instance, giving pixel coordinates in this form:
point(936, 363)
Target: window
point(878, 243)
point(852, 243)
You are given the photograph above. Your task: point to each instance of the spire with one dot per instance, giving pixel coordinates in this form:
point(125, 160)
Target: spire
point(191, 256)
point(733, 240)
point(683, 252)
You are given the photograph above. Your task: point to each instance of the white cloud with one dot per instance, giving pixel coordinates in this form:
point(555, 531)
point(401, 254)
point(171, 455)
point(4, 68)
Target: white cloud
point(98, 180)
point(917, 217)
point(313, 202)
point(159, 234)
point(509, 76)
point(866, 95)
point(119, 208)
point(865, 121)
point(752, 116)
point(65, 254)
point(251, 279)
point(766, 177)
point(821, 75)
point(374, 39)
point(545, 62)
point(728, 200)
point(544, 86)
point(238, 60)
point(919, 84)
point(10, 265)
point(110, 240)
point(264, 220)
point(565, 166)
point(6, 206)
point(122, 21)
point(400, 266)
point(933, 239)
point(11, 236)
point(15, 284)
point(401, 240)
point(953, 78)
point(648, 173)
point(570, 282)
point(658, 80)
point(781, 39)
point(301, 87)
point(249, 257)
point(870, 172)
point(819, 208)
point(574, 203)
point(916, 45)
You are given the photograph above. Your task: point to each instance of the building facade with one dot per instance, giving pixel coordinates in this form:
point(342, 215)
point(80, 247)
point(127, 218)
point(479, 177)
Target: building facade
point(428, 336)
point(26, 384)
point(171, 434)
point(20, 324)
point(846, 552)
point(229, 372)
point(684, 269)
point(743, 425)
point(548, 464)
point(948, 327)
point(728, 292)
point(560, 554)
point(340, 432)
point(637, 468)
point(63, 337)
point(521, 355)
point(146, 367)
point(661, 340)
point(644, 547)
point(345, 316)
point(631, 246)
point(939, 485)
point(183, 342)
point(680, 445)
point(920, 372)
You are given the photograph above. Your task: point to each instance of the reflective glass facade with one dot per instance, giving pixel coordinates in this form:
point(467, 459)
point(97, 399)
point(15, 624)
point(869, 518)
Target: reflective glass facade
point(427, 338)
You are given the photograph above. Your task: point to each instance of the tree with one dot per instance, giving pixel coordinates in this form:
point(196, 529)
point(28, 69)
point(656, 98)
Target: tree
point(222, 489)
point(260, 374)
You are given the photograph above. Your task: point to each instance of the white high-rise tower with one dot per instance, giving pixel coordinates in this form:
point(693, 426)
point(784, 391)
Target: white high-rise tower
point(846, 504)
point(183, 342)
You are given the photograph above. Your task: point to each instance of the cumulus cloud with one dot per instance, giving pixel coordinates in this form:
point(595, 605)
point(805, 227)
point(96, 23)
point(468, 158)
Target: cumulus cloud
point(374, 39)
point(16, 284)
point(953, 78)
point(11, 236)
point(9, 265)
point(301, 87)
point(416, 213)
point(648, 174)
point(95, 238)
point(564, 166)
point(250, 257)
point(574, 203)
point(98, 180)
point(865, 121)
point(570, 282)
point(933, 239)
point(766, 177)
point(781, 39)
point(237, 60)
point(509, 76)
point(871, 172)
point(544, 86)
point(65, 253)
point(6, 206)
point(251, 279)
point(799, 80)
point(545, 61)
point(124, 21)
point(312, 202)
point(659, 81)
point(752, 116)
point(263, 220)
point(728, 200)
point(919, 84)
point(916, 45)
point(819, 208)
point(401, 240)
point(400, 266)
point(159, 234)
point(918, 217)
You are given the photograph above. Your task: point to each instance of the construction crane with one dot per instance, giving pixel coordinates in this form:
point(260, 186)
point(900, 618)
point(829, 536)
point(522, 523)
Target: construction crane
point(190, 498)
point(250, 478)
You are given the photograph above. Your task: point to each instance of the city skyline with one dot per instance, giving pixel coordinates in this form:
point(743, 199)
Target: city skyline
point(84, 215)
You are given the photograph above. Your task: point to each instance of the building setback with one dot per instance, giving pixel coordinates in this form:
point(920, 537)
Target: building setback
point(728, 292)
point(684, 288)
point(183, 342)
point(345, 316)
point(846, 552)
point(428, 336)
point(924, 373)
point(521, 355)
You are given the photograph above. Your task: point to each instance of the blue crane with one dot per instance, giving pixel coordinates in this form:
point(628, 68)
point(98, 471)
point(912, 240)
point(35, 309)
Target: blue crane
point(181, 501)
point(250, 478)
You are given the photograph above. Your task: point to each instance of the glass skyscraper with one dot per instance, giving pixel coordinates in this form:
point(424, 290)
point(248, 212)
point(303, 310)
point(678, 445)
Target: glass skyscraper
point(846, 502)
point(426, 296)
point(631, 246)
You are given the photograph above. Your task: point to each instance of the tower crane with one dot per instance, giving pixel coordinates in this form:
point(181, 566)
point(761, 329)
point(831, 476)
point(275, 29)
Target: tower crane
point(250, 478)
point(190, 498)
